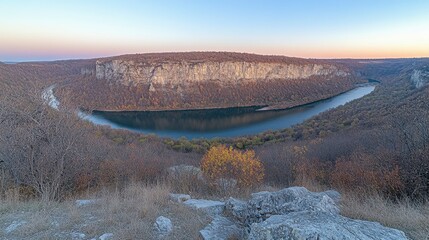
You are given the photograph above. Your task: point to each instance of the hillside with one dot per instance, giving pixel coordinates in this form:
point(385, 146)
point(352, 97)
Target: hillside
point(195, 80)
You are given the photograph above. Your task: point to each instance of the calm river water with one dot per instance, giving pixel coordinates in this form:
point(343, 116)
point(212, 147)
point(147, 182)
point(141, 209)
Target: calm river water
point(229, 122)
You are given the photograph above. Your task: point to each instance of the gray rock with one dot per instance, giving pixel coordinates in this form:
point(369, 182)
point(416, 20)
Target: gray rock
point(237, 209)
point(136, 72)
point(106, 236)
point(221, 228)
point(163, 226)
point(262, 205)
point(77, 235)
point(179, 197)
point(320, 225)
point(292, 213)
point(87, 71)
point(420, 78)
point(210, 207)
point(336, 196)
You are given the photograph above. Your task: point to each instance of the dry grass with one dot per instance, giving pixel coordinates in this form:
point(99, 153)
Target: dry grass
point(128, 214)
point(311, 184)
point(412, 218)
point(131, 212)
point(406, 215)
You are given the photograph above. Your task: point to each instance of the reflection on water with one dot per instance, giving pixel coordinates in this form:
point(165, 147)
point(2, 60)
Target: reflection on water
point(229, 122)
point(211, 120)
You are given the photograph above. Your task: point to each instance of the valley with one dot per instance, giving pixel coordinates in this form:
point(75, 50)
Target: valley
point(212, 123)
point(214, 120)
point(372, 149)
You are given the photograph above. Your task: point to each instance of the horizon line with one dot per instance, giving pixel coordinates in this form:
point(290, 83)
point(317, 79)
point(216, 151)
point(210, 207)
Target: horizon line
point(208, 51)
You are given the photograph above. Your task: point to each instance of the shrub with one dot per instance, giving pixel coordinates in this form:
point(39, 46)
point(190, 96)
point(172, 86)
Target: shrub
point(221, 162)
point(363, 172)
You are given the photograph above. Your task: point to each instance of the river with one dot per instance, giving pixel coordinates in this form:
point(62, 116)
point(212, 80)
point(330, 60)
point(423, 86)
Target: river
point(211, 123)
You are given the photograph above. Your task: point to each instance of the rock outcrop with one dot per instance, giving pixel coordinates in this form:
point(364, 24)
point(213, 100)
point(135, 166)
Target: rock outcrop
point(291, 213)
point(167, 81)
point(420, 77)
point(320, 225)
point(130, 72)
point(263, 205)
point(87, 71)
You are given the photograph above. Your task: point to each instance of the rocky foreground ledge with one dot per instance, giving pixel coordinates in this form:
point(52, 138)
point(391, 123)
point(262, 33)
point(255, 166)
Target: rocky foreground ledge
point(291, 213)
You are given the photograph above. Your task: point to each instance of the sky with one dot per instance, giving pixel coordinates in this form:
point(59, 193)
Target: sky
point(73, 29)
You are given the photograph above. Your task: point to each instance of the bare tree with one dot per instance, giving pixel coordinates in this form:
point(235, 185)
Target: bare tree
point(411, 136)
point(41, 147)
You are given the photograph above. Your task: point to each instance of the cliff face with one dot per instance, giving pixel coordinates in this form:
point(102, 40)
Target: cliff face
point(169, 81)
point(420, 77)
point(225, 73)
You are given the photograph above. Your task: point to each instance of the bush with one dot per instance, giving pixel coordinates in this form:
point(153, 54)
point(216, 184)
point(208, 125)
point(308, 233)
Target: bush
point(221, 163)
point(363, 172)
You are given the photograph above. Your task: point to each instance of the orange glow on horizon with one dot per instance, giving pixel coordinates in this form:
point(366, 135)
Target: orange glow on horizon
point(93, 49)
point(46, 30)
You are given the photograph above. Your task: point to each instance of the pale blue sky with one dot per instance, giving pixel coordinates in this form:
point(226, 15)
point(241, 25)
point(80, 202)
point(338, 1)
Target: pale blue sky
point(46, 30)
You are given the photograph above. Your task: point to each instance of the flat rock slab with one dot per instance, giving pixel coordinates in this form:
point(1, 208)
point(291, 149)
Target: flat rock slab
point(221, 228)
point(321, 226)
point(210, 207)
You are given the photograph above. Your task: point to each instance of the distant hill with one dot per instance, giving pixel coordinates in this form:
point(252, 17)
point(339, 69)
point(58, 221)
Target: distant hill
point(195, 80)
point(208, 56)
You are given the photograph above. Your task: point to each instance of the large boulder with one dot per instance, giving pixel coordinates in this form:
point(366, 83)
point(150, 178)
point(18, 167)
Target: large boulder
point(320, 225)
point(263, 205)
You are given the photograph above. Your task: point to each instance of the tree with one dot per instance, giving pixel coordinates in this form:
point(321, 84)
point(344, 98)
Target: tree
point(42, 148)
point(221, 162)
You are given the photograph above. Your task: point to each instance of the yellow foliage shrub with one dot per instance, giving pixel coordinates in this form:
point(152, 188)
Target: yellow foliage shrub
point(223, 162)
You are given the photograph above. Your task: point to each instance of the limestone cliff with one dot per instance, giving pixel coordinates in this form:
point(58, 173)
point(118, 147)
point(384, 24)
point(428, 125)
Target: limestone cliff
point(420, 77)
point(185, 73)
point(211, 79)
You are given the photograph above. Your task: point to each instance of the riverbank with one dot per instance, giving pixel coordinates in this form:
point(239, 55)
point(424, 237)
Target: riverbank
point(212, 123)
point(282, 107)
